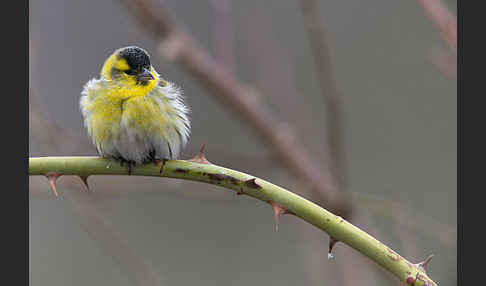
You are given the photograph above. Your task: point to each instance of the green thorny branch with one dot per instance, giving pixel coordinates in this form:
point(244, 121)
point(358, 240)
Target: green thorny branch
point(281, 200)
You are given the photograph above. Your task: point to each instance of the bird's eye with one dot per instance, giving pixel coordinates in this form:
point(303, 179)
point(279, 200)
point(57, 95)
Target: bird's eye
point(130, 72)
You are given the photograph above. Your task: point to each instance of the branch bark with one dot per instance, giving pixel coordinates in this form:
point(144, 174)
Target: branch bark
point(288, 202)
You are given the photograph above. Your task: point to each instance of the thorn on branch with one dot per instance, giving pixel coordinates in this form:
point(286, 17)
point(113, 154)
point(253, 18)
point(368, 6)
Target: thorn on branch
point(251, 183)
point(332, 242)
point(278, 210)
point(52, 177)
point(422, 265)
point(201, 157)
point(84, 179)
point(156, 163)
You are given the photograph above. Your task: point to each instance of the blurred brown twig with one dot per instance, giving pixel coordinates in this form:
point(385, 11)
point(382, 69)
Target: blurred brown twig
point(446, 23)
point(329, 92)
point(274, 73)
point(222, 33)
point(335, 149)
point(444, 20)
point(179, 46)
point(98, 227)
point(444, 62)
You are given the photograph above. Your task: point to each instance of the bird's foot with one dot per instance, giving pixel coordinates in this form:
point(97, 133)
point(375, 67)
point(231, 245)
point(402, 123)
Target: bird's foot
point(156, 163)
point(130, 164)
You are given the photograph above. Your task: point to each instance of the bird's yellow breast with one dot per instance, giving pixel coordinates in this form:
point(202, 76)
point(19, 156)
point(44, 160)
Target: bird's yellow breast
point(112, 110)
point(131, 113)
point(147, 114)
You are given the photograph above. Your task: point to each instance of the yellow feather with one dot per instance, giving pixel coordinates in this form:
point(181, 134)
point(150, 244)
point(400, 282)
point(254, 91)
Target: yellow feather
point(130, 120)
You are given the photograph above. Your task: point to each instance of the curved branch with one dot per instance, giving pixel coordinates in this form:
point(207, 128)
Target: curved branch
point(282, 201)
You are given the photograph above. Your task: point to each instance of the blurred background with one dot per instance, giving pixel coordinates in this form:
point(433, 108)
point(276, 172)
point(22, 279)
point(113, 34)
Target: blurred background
point(388, 64)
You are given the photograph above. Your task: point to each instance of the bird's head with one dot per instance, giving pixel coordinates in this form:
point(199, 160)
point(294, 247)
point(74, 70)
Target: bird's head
point(130, 67)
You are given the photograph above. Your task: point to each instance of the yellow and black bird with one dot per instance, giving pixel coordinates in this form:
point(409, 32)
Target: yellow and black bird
point(131, 113)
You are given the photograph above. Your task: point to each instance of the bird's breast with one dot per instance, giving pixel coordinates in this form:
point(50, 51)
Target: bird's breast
point(143, 117)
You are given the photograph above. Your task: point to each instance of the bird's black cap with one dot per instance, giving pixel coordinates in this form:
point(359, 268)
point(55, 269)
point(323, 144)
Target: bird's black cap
point(136, 57)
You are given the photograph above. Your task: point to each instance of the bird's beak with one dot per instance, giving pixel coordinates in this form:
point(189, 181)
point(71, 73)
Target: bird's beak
point(145, 76)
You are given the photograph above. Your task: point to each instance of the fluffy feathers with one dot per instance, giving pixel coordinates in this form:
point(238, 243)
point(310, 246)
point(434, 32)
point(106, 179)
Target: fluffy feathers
point(133, 121)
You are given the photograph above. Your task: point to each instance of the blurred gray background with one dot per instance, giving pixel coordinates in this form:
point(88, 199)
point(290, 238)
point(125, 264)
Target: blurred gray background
point(399, 126)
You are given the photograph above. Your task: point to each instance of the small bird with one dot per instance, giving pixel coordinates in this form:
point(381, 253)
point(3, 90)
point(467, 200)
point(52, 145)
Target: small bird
point(131, 113)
